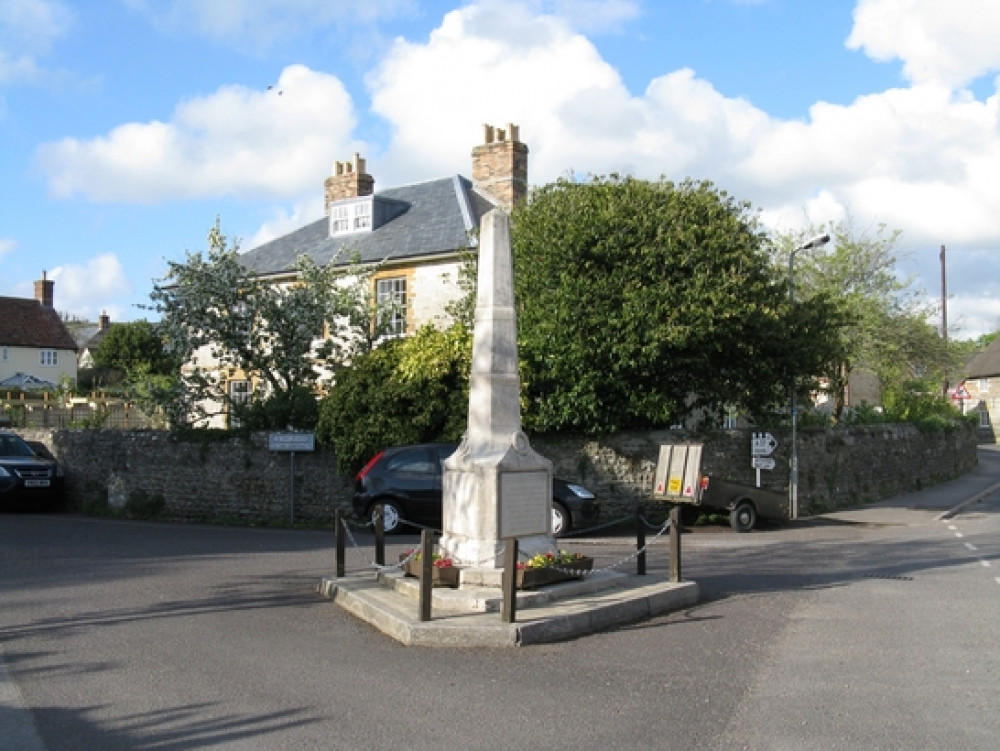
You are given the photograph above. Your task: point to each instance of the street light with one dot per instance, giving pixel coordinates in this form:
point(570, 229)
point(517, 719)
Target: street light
point(793, 475)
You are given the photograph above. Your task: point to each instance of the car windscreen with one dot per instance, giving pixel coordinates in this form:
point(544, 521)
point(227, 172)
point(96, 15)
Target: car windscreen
point(11, 445)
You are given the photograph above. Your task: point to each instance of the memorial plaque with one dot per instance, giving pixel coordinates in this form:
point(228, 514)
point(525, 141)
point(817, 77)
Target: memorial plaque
point(525, 504)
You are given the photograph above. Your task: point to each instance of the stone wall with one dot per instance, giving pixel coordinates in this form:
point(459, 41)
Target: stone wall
point(838, 467)
point(240, 479)
point(225, 480)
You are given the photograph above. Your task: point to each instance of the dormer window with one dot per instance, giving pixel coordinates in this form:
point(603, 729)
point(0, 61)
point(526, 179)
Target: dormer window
point(351, 215)
point(363, 214)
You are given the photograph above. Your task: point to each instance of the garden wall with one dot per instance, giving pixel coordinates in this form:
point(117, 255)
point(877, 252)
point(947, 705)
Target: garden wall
point(238, 479)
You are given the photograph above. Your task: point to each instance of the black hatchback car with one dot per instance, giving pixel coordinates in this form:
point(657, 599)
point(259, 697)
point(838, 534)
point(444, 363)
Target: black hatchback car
point(406, 482)
point(28, 480)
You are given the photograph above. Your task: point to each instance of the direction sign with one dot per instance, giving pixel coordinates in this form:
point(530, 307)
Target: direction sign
point(761, 462)
point(291, 442)
point(762, 444)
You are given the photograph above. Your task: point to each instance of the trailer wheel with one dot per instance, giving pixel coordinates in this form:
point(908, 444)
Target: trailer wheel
point(743, 517)
point(689, 514)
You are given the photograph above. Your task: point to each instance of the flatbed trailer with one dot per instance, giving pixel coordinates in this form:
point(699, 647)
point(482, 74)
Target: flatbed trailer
point(745, 504)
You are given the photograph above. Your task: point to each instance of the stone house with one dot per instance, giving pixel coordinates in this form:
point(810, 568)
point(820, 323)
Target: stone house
point(980, 391)
point(36, 349)
point(418, 235)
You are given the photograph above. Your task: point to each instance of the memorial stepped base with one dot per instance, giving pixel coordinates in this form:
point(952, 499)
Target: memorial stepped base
point(470, 616)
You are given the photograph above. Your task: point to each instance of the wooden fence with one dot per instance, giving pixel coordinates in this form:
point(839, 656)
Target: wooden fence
point(42, 410)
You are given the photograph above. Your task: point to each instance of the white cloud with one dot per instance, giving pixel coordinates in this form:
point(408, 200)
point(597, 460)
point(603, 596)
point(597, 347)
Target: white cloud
point(87, 289)
point(284, 221)
point(514, 67)
point(950, 42)
point(590, 16)
point(972, 315)
point(237, 141)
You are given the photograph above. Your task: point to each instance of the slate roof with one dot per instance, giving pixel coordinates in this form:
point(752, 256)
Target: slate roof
point(429, 218)
point(28, 323)
point(987, 363)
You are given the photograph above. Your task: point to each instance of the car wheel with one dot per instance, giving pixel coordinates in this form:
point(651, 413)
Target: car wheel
point(560, 519)
point(743, 517)
point(391, 517)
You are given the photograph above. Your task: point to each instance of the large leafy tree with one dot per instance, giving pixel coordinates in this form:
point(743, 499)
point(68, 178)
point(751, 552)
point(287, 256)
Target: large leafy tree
point(220, 319)
point(641, 303)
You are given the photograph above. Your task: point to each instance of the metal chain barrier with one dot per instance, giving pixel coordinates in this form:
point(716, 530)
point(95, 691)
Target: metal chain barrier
point(399, 566)
point(621, 561)
point(372, 564)
point(393, 567)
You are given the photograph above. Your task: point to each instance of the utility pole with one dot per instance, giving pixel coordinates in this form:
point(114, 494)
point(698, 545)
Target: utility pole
point(944, 312)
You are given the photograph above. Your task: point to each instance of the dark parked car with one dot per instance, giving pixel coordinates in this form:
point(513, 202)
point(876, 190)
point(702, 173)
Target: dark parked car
point(28, 479)
point(406, 482)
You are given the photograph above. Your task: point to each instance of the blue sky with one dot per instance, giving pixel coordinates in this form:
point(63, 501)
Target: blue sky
point(127, 126)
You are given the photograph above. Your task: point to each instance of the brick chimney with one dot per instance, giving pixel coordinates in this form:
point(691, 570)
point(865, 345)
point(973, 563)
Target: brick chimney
point(103, 322)
point(44, 291)
point(349, 180)
point(500, 166)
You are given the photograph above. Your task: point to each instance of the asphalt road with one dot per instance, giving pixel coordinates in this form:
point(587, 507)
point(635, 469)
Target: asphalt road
point(871, 629)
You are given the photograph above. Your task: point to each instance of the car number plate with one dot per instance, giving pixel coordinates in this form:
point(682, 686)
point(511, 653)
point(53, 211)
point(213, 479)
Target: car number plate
point(36, 483)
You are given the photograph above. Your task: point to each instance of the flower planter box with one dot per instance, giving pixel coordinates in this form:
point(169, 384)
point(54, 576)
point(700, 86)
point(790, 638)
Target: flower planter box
point(446, 576)
point(530, 578)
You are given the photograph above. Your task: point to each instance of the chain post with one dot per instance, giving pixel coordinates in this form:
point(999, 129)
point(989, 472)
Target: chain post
point(379, 535)
point(640, 543)
point(426, 573)
point(339, 522)
point(675, 543)
point(509, 610)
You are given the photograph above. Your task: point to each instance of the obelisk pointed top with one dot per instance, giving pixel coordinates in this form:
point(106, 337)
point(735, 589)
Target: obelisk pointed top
point(494, 390)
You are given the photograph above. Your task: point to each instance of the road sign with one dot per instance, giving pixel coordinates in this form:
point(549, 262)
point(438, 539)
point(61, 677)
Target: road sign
point(762, 444)
point(761, 462)
point(299, 441)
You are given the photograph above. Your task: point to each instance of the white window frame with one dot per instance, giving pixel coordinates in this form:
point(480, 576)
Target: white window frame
point(392, 291)
point(362, 215)
point(984, 385)
point(339, 221)
point(48, 358)
point(4, 354)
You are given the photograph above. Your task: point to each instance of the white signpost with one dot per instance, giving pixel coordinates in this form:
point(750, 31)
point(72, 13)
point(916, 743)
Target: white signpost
point(762, 445)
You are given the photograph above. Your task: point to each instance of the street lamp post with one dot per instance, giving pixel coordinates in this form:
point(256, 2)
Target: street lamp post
point(793, 473)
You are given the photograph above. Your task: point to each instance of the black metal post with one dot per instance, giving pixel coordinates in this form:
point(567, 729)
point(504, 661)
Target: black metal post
point(379, 536)
point(640, 543)
point(339, 522)
point(509, 610)
point(675, 543)
point(426, 573)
